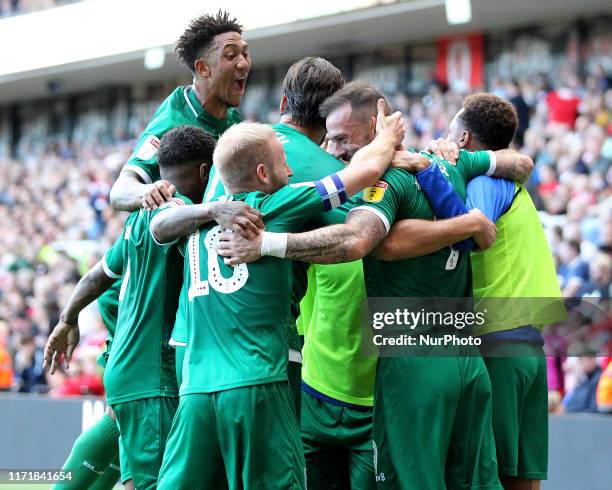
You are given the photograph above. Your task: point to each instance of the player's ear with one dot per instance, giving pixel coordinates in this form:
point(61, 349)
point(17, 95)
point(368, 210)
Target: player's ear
point(262, 172)
point(372, 127)
point(202, 68)
point(464, 140)
point(283, 104)
point(204, 172)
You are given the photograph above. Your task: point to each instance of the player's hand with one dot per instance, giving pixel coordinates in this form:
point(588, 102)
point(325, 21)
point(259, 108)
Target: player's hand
point(410, 161)
point(239, 217)
point(445, 149)
point(159, 192)
point(487, 231)
point(238, 250)
point(60, 346)
point(390, 126)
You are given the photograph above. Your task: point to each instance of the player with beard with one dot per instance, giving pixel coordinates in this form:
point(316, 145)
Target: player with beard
point(409, 456)
point(511, 340)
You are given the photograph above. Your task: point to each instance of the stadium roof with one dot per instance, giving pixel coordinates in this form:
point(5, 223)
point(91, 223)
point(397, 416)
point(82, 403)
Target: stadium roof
point(97, 43)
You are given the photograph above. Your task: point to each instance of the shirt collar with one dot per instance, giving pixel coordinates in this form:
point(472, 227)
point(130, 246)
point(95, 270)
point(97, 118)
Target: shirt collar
point(198, 111)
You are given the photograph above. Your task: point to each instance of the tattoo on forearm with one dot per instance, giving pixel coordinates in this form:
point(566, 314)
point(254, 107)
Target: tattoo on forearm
point(338, 243)
point(516, 169)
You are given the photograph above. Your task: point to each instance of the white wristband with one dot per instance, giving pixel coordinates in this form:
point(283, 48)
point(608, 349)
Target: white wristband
point(273, 244)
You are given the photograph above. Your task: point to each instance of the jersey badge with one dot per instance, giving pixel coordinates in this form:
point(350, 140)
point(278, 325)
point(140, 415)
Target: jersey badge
point(375, 193)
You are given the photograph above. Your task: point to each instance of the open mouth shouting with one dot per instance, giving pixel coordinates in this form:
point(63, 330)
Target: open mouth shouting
point(239, 84)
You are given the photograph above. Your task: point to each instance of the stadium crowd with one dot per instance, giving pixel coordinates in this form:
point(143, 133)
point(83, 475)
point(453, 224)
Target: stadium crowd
point(16, 7)
point(55, 204)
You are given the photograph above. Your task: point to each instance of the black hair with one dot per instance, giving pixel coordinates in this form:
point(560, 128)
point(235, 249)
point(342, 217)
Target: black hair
point(360, 95)
point(307, 84)
point(185, 145)
point(198, 37)
point(491, 120)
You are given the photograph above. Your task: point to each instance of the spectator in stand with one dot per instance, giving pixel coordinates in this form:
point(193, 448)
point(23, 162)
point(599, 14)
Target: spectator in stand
point(514, 95)
point(563, 104)
point(573, 271)
point(583, 397)
point(28, 364)
point(600, 271)
point(6, 362)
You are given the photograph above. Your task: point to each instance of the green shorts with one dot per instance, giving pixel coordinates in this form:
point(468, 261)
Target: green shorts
point(432, 424)
point(144, 426)
point(294, 375)
point(337, 446)
point(126, 473)
point(520, 410)
point(243, 438)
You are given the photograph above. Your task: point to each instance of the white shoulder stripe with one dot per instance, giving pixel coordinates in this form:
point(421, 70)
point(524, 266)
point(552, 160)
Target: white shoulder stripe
point(137, 170)
point(107, 270)
point(375, 211)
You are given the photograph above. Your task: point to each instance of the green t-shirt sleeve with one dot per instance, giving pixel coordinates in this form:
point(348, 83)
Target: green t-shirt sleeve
point(144, 159)
point(473, 164)
point(291, 207)
point(387, 196)
point(112, 262)
point(177, 201)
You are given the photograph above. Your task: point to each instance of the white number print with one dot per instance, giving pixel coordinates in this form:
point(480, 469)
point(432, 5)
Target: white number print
point(453, 258)
point(216, 280)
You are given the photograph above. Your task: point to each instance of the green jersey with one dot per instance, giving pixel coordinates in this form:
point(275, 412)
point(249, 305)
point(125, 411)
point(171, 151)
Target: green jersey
point(141, 363)
point(181, 107)
point(180, 329)
point(308, 162)
point(442, 274)
point(108, 306)
point(238, 315)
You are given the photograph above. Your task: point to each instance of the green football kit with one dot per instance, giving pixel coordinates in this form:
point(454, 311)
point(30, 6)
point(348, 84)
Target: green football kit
point(517, 368)
point(94, 458)
point(432, 415)
point(181, 107)
point(140, 378)
point(308, 162)
point(235, 376)
point(520, 293)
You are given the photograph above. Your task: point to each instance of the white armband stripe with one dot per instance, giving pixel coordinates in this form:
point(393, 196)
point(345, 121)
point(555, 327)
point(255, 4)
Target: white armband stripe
point(492, 164)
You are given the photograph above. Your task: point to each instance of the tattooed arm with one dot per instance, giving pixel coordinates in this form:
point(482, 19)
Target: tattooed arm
point(512, 165)
point(337, 243)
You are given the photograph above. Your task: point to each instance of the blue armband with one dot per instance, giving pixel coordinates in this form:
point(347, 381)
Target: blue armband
point(443, 199)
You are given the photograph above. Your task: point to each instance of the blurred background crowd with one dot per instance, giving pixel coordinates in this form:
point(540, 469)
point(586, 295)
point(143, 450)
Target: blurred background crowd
point(55, 213)
point(16, 7)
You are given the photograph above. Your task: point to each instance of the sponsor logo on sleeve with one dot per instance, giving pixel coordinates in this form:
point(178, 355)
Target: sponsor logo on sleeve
point(149, 148)
point(375, 193)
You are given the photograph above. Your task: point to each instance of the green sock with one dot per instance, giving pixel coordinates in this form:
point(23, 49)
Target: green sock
point(110, 477)
point(92, 454)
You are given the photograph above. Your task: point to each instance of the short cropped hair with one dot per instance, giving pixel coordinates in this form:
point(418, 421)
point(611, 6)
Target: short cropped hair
point(307, 84)
point(185, 145)
point(240, 149)
point(491, 120)
point(359, 94)
point(198, 37)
